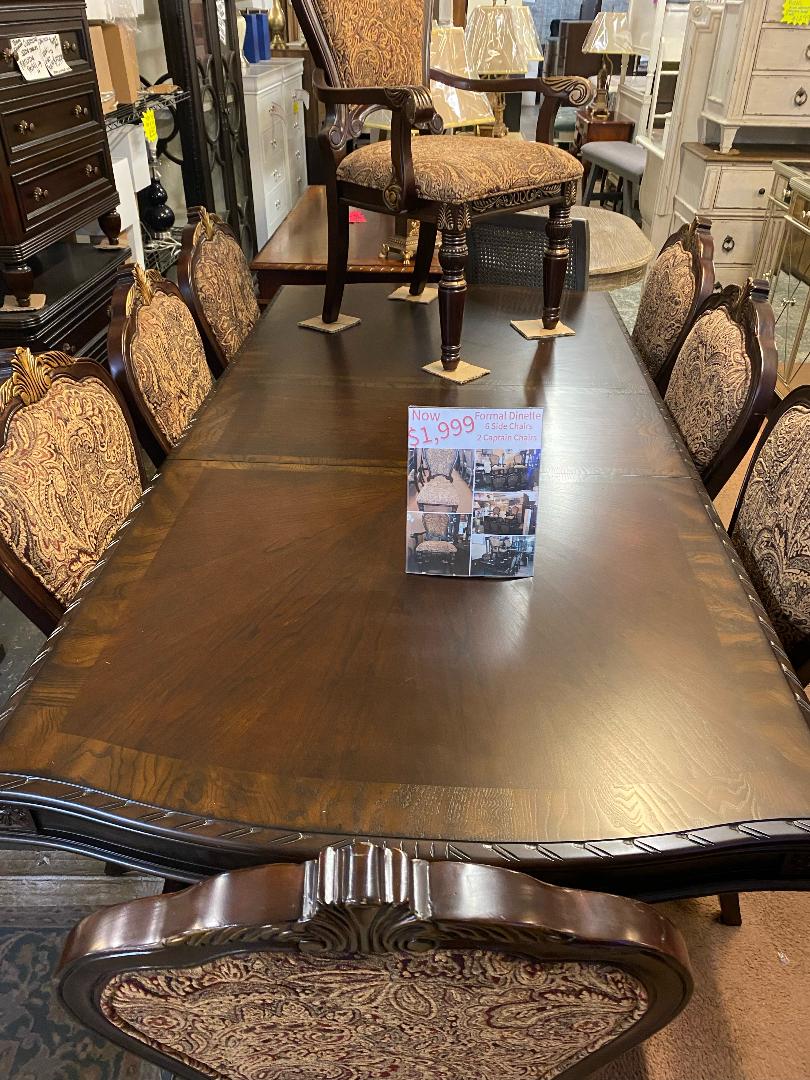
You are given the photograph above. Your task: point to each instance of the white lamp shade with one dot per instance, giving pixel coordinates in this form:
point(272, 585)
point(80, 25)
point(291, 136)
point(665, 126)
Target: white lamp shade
point(609, 33)
point(501, 40)
point(457, 108)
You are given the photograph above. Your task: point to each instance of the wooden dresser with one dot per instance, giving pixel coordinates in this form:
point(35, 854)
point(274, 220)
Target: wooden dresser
point(55, 168)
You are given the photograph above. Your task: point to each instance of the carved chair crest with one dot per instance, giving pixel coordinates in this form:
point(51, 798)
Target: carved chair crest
point(31, 376)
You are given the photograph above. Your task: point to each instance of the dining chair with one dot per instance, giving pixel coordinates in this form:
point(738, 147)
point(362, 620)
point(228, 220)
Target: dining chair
point(723, 380)
point(679, 281)
point(438, 543)
point(157, 358)
point(70, 476)
point(510, 250)
point(373, 54)
point(439, 490)
point(216, 283)
point(365, 962)
point(770, 526)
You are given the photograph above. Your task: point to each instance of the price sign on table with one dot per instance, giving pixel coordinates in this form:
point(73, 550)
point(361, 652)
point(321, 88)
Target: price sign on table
point(473, 478)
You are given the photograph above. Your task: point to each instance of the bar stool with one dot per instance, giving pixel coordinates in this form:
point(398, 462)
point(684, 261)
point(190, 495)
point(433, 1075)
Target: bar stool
point(623, 159)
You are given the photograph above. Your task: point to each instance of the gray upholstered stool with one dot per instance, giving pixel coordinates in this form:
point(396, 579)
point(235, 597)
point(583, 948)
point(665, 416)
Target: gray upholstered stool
point(623, 159)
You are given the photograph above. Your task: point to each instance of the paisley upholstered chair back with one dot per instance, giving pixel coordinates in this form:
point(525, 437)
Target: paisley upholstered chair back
point(440, 462)
point(723, 380)
point(436, 526)
point(367, 963)
point(770, 527)
point(217, 285)
point(369, 42)
point(678, 283)
point(158, 359)
point(69, 476)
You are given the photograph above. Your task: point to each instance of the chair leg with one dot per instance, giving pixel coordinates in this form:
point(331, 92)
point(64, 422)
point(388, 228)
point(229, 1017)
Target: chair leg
point(629, 199)
point(592, 174)
point(730, 914)
point(453, 222)
point(555, 261)
point(424, 257)
point(338, 213)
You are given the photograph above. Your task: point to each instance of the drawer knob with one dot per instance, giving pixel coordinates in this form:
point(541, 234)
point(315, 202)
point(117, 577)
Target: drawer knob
point(67, 347)
point(278, 204)
point(728, 243)
point(79, 110)
point(800, 97)
point(9, 55)
point(88, 170)
point(39, 193)
point(24, 126)
point(761, 191)
point(807, 53)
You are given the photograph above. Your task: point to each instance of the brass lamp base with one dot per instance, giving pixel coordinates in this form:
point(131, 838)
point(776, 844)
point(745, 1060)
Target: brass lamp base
point(404, 242)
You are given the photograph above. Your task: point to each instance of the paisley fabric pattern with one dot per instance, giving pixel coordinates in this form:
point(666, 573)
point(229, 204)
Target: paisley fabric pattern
point(450, 169)
point(436, 526)
point(438, 492)
point(168, 361)
point(710, 382)
point(441, 1016)
point(436, 547)
point(664, 308)
point(68, 478)
point(772, 531)
point(375, 42)
point(225, 289)
point(440, 462)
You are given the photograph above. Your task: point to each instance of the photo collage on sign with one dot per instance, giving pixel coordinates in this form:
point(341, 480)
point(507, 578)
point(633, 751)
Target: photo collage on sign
point(473, 478)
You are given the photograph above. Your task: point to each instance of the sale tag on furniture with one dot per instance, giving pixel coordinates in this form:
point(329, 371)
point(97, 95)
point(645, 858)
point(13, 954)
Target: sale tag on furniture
point(796, 12)
point(473, 480)
point(51, 48)
point(30, 57)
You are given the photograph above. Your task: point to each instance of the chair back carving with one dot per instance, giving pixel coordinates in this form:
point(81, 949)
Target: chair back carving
point(365, 960)
point(723, 380)
point(368, 42)
point(436, 526)
point(769, 526)
point(680, 280)
point(216, 283)
point(157, 358)
point(69, 477)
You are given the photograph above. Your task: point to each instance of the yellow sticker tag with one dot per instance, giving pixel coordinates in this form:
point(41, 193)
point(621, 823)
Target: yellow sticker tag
point(296, 106)
point(796, 12)
point(150, 126)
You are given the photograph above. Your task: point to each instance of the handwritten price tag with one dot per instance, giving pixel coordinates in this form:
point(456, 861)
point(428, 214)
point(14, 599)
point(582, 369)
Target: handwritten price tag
point(796, 12)
point(29, 54)
point(51, 47)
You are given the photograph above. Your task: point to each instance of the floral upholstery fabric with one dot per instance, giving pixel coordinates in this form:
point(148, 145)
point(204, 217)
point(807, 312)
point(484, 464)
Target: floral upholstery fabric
point(772, 531)
point(664, 308)
point(438, 1016)
point(438, 492)
point(709, 385)
point(441, 462)
point(225, 289)
point(436, 526)
point(450, 169)
point(68, 478)
point(436, 547)
point(168, 361)
point(375, 42)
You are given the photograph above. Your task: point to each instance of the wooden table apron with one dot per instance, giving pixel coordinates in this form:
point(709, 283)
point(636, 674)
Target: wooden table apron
point(250, 674)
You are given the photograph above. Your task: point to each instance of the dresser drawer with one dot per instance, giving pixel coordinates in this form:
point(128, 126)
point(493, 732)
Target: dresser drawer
point(783, 48)
point(784, 96)
point(27, 123)
point(735, 239)
point(75, 49)
point(773, 11)
point(39, 195)
point(743, 189)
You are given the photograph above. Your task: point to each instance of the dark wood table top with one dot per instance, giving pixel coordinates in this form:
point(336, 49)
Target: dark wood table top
point(296, 253)
point(252, 674)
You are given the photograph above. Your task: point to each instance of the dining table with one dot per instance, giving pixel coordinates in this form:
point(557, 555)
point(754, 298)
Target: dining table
point(249, 675)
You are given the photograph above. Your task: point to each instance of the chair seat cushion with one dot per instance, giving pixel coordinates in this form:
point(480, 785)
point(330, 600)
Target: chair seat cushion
point(458, 169)
point(436, 547)
point(438, 492)
point(623, 158)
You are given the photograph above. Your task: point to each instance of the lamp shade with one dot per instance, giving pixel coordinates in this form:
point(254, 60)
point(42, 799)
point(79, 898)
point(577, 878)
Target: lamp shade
point(609, 33)
point(501, 40)
point(457, 108)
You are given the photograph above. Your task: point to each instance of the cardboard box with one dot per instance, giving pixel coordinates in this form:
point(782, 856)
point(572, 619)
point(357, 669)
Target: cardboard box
point(105, 83)
point(119, 41)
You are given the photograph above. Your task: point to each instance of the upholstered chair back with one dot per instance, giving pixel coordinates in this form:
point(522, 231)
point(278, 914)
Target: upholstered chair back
point(723, 380)
point(770, 527)
point(216, 283)
point(369, 42)
point(436, 526)
point(678, 283)
point(69, 476)
point(157, 358)
point(365, 962)
point(440, 462)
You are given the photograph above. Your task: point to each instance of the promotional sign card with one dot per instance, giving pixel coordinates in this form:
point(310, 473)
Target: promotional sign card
point(473, 478)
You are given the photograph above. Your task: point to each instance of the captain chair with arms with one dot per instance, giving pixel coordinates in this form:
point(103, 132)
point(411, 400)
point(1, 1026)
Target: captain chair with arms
point(157, 358)
point(70, 476)
point(723, 381)
point(366, 962)
point(439, 492)
point(374, 54)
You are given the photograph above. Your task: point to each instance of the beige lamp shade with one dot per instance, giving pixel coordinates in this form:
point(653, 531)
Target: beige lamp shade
point(501, 40)
point(609, 33)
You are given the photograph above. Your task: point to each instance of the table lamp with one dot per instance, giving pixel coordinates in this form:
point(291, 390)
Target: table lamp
point(609, 33)
point(501, 40)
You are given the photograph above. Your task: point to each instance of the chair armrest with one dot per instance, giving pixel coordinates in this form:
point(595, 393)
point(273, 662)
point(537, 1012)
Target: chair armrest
point(573, 89)
point(413, 101)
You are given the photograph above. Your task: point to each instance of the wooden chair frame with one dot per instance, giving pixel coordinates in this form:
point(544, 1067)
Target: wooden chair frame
point(28, 384)
point(411, 107)
point(131, 286)
point(701, 244)
point(362, 899)
point(798, 654)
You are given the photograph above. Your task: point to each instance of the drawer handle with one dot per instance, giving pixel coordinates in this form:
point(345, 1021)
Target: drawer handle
point(800, 97)
point(70, 46)
point(274, 144)
point(9, 55)
point(298, 153)
point(91, 170)
point(278, 204)
point(728, 243)
point(40, 193)
point(79, 111)
point(761, 191)
point(25, 125)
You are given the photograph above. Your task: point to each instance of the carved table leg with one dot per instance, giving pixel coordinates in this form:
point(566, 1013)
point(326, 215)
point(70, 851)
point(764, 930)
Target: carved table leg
point(111, 226)
point(20, 282)
point(555, 261)
point(453, 222)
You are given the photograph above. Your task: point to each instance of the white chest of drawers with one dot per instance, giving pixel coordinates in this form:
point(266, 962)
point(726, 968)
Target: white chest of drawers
point(274, 109)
